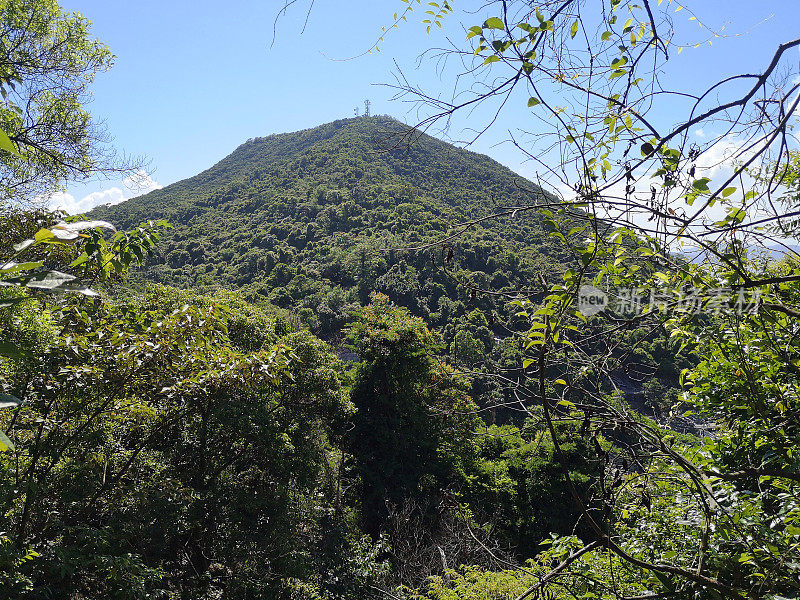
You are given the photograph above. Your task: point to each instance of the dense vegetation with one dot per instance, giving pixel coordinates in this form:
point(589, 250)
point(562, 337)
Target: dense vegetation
point(176, 445)
point(315, 221)
point(314, 384)
point(318, 219)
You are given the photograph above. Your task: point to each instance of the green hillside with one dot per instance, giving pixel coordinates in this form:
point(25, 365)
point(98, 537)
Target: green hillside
point(320, 218)
point(315, 221)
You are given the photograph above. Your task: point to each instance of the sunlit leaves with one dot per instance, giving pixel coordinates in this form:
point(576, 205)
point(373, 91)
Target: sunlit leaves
point(72, 231)
point(7, 401)
point(100, 257)
point(734, 216)
point(6, 144)
point(61, 59)
point(473, 31)
point(5, 443)
point(494, 23)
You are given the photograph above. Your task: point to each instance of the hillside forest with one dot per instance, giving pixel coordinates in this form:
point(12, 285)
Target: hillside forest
point(356, 361)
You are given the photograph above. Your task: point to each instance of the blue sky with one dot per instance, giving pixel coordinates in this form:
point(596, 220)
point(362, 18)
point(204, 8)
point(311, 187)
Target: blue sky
point(194, 79)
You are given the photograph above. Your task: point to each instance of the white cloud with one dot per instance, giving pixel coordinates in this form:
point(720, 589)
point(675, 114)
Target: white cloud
point(719, 159)
point(700, 133)
point(139, 183)
point(69, 204)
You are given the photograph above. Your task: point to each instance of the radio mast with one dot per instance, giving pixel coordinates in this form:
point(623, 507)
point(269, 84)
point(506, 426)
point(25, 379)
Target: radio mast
point(366, 108)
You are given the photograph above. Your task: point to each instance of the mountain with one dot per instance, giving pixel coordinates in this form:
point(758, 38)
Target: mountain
point(313, 221)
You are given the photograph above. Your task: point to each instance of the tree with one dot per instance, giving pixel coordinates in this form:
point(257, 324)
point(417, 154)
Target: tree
point(628, 193)
point(170, 441)
point(47, 63)
point(412, 429)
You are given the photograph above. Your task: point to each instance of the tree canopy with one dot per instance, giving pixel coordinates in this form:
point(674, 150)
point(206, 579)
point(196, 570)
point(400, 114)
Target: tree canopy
point(48, 60)
point(651, 222)
point(469, 427)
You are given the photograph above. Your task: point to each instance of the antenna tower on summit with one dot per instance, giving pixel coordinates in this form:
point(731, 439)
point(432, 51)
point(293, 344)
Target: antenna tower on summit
point(366, 108)
point(355, 110)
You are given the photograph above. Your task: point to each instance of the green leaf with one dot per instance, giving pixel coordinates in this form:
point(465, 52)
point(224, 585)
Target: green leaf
point(574, 30)
point(7, 145)
point(745, 557)
point(5, 443)
point(42, 235)
point(494, 23)
point(12, 268)
point(473, 31)
point(606, 36)
point(491, 59)
point(533, 101)
point(737, 215)
point(665, 580)
point(80, 260)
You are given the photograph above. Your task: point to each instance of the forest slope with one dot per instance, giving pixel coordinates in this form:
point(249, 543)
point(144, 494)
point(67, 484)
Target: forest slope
point(319, 218)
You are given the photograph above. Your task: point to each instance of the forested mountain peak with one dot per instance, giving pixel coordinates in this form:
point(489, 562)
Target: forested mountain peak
point(319, 218)
point(348, 152)
point(364, 363)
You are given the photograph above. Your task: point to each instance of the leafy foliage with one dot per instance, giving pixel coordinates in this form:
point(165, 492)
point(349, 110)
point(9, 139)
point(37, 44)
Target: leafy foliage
point(320, 218)
point(411, 435)
point(153, 417)
point(48, 60)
